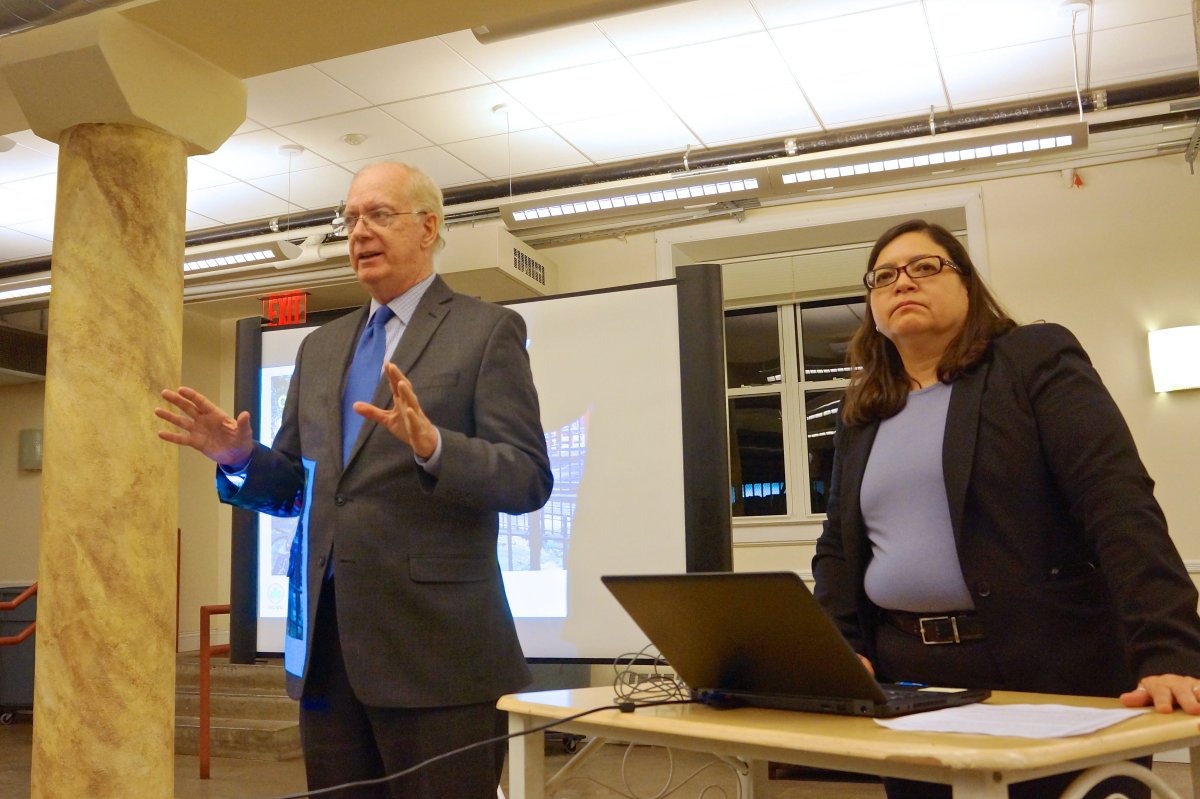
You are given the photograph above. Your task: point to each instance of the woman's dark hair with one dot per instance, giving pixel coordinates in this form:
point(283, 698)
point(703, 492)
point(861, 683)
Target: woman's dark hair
point(879, 386)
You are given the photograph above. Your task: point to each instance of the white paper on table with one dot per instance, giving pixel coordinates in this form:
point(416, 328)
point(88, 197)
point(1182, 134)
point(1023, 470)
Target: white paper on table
point(1020, 721)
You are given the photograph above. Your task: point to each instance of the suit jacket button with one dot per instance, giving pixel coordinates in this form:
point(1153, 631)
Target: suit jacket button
point(339, 500)
point(983, 588)
point(321, 561)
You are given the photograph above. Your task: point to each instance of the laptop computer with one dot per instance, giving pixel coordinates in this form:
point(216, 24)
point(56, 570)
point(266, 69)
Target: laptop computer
point(762, 639)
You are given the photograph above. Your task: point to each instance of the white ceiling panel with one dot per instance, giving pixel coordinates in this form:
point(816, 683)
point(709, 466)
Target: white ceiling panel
point(571, 46)
point(967, 26)
point(905, 90)
point(201, 175)
point(256, 155)
point(596, 90)
point(195, 221)
point(1011, 72)
point(464, 114)
point(1161, 47)
point(680, 24)
point(22, 162)
point(317, 188)
point(14, 245)
point(403, 71)
point(384, 134)
point(15, 208)
point(38, 191)
point(714, 68)
point(755, 112)
point(887, 38)
point(38, 228)
point(629, 135)
point(537, 150)
point(442, 167)
point(27, 138)
point(778, 13)
point(237, 202)
point(272, 99)
point(1110, 14)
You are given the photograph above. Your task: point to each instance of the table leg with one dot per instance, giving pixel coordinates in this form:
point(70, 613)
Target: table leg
point(752, 781)
point(1194, 760)
point(526, 759)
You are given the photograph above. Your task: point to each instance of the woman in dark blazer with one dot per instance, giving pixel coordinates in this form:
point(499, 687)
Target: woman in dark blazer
point(990, 521)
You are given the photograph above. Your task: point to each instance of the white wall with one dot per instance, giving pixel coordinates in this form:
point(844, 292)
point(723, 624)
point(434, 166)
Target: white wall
point(20, 491)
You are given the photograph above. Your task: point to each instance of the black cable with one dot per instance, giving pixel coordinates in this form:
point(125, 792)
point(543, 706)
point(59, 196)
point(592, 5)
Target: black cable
point(624, 706)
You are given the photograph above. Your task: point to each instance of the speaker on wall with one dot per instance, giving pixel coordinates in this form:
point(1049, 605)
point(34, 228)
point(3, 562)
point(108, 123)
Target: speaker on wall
point(29, 450)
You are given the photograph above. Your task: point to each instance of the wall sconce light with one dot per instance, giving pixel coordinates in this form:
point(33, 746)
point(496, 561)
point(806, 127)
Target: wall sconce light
point(29, 450)
point(1175, 358)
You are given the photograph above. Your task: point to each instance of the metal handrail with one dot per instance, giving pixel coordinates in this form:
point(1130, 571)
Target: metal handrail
point(11, 604)
point(206, 653)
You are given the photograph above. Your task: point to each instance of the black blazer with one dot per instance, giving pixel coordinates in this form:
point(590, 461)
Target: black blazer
point(422, 615)
point(1063, 547)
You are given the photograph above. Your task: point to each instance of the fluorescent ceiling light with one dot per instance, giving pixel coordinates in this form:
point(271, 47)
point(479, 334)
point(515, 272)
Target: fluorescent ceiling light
point(677, 191)
point(937, 156)
point(1173, 359)
point(253, 255)
point(25, 292)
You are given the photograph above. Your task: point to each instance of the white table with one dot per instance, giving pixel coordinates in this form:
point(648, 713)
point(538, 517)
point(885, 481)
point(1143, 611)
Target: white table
point(977, 766)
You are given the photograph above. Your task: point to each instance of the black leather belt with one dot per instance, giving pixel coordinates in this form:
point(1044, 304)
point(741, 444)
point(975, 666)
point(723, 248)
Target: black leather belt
point(937, 628)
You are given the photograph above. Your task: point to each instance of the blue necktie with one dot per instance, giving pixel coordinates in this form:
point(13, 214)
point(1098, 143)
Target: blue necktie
point(363, 376)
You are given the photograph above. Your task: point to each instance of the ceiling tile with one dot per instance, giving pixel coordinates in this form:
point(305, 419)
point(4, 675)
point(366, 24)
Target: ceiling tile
point(403, 71)
point(272, 99)
point(1010, 73)
point(27, 138)
point(385, 134)
point(201, 175)
point(1111, 15)
point(237, 202)
point(322, 187)
point(463, 114)
point(38, 191)
point(15, 208)
point(777, 13)
point(38, 228)
point(569, 46)
point(247, 126)
point(628, 135)
point(966, 27)
point(537, 150)
point(584, 92)
point(256, 155)
point(22, 162)
point(442, 167)
point(680, 24)
point(194, 221)
point(879, 40)
point(753, 113)
point(1161, 47)
point(902, 91)
point(713, 68)
point(15, 245)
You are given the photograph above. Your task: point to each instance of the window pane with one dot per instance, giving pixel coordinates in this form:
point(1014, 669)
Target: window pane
point(752, 347)
point(826, 329)
point(756, 452)
point(820, 412)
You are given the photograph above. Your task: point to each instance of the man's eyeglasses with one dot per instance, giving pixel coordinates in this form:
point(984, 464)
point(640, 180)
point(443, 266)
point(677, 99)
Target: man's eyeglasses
point(380, 218)
point(919, 267)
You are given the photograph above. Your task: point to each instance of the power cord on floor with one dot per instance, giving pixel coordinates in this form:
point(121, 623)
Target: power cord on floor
point(625, 706)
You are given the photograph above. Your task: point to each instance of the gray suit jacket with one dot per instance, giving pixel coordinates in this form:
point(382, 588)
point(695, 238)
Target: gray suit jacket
point(1061, 542)
point(422, 614)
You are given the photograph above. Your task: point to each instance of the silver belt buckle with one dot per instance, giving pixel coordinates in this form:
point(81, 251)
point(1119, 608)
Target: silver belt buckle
point(953, 629)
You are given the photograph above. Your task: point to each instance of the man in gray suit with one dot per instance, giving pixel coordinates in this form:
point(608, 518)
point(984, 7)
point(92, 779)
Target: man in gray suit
point(400, 639)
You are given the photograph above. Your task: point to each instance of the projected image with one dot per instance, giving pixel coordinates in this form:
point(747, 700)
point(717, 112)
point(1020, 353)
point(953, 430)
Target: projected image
point(532, 547)
point(275, 534)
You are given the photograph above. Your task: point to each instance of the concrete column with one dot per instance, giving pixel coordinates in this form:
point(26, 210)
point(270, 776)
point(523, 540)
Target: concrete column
point(127, 107)
point(105, 668)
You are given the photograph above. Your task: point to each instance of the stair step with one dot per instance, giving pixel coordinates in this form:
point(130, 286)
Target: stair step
point(263, 677)
point(246, 739)
point(239, 705)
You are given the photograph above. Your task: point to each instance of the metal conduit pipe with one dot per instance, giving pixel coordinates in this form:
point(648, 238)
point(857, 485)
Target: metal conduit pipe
point(1095, 100)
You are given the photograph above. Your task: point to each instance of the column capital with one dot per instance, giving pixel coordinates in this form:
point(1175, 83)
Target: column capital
point(104, 68)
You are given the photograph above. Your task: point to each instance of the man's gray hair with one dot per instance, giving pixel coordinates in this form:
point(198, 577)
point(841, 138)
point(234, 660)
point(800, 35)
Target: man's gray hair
point(423, 193)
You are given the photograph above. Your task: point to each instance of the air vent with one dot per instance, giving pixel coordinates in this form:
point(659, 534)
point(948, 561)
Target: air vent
point(485, 260)
point(526, 264)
